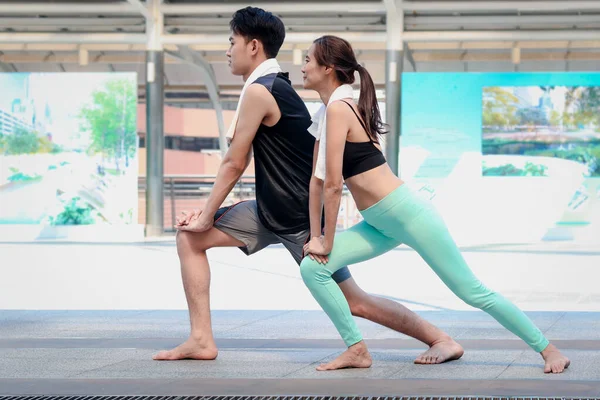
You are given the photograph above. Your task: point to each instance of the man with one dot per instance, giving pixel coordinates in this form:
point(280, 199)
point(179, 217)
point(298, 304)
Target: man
point(271, 122)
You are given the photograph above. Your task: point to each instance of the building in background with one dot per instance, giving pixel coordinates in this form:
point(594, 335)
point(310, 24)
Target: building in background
point(191, 141)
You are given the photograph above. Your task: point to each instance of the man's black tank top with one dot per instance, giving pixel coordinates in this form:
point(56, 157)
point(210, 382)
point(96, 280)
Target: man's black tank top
point(283, 157)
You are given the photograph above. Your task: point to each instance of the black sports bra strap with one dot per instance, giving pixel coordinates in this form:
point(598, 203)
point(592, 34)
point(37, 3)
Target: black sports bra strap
point(360, 120)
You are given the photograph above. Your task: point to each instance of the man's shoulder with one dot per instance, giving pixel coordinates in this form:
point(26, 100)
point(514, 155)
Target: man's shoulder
point(257, 96)
point(284, 94)
point(268, 81)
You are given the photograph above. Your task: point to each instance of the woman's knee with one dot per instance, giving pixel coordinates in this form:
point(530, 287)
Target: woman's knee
point(308, 269)
point(312, 272)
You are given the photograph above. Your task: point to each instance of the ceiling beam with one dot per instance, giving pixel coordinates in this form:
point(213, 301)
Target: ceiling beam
point(100, 58)
point(127, 9)
point(29, 58)
point(298, 8)
point(16, 22)
point(288, 21)
point(290, 37)
point(407, 36)
point(77, 38)
point(505, 56)
point(26, 47)
point(141, 7)
point(332, 28)
point(557, 44)
point(412, 21)
point(420, 56)
point(378, 7)
point(472, 36)
point(48, 8)
point(218, 50)
point(360, 40)
point(524, 5)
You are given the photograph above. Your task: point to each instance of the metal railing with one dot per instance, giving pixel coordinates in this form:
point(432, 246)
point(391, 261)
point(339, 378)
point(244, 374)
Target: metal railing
point(179, 188)
point(195, 185)
point(180, 191)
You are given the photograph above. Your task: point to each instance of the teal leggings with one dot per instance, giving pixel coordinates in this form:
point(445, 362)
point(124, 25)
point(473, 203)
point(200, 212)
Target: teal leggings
point(405, 217)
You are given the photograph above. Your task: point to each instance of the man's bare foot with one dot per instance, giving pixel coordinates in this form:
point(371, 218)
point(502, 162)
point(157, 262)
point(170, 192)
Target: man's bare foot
point(555, 361)
point(440, 352)
point(357, 356)
point(191, 349)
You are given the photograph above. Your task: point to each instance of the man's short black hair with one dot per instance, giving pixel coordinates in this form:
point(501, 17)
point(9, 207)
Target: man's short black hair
point(256, 23)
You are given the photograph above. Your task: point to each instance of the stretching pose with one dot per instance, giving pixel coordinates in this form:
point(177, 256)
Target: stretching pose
point(393, 214)
point(271, 121)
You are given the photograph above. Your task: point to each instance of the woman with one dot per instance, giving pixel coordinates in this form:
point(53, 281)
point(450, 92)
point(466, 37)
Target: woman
point(393, 214)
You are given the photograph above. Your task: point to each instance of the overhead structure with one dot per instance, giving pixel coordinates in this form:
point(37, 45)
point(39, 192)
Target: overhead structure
point(387, 35)
point(454, 33)
point(197, 60)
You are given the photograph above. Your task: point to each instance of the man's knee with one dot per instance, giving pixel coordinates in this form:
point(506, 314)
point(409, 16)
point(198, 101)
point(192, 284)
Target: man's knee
point(190, 242)
point(358, 300)
point(359, 309)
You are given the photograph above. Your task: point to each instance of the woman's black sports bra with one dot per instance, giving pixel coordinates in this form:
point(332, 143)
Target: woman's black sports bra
point(360, 157)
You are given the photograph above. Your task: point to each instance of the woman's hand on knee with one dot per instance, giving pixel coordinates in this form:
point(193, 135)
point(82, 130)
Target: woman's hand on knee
point(319, 258)
point(315, 249)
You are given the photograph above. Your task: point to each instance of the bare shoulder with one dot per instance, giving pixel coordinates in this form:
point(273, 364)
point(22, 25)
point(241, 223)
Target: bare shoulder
point(258, 101)
point(258, 93)
point(338, 109)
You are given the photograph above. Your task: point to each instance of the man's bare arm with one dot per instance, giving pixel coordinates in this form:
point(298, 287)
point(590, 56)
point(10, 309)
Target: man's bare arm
point(257, 105)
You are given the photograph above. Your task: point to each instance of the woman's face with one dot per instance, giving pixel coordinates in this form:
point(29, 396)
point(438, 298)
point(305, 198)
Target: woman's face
point(313, 74)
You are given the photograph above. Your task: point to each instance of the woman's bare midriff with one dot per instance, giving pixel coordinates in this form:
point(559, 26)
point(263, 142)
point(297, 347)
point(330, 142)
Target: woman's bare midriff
point(371, 186)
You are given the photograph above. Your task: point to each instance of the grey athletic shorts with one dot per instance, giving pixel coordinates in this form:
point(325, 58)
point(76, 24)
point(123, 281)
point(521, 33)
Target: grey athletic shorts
point(241, 222)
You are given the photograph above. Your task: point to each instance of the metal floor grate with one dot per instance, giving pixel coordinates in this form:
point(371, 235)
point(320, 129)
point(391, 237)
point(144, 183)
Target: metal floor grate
point(88, 397)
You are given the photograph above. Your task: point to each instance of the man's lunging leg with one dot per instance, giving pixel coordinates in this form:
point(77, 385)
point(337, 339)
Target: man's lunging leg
point(395, 316)
point(195, 272)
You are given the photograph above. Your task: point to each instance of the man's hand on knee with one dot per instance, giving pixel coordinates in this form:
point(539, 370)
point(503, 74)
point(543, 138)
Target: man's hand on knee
point(200, 222)
point(187, 216)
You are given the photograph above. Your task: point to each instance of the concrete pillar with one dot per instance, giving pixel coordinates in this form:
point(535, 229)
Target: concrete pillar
point(155, 143)
point(155, 140)
point(393, 80)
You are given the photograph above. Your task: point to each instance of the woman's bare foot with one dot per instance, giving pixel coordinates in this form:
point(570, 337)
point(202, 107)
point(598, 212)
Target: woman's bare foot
point(191, 349)
point(357, 356)
point(440, 352)
point(555, 361)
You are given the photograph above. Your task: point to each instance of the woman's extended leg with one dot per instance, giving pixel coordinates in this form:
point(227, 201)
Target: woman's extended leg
point(429, 236)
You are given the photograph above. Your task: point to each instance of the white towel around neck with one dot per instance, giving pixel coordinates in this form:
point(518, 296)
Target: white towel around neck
point(319, 127)
point(267, 67)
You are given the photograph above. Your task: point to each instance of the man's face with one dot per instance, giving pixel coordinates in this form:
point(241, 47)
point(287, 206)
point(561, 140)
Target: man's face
point(239, 54)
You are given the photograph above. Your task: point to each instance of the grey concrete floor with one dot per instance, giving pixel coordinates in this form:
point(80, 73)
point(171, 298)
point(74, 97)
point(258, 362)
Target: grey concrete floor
point(87, 318)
